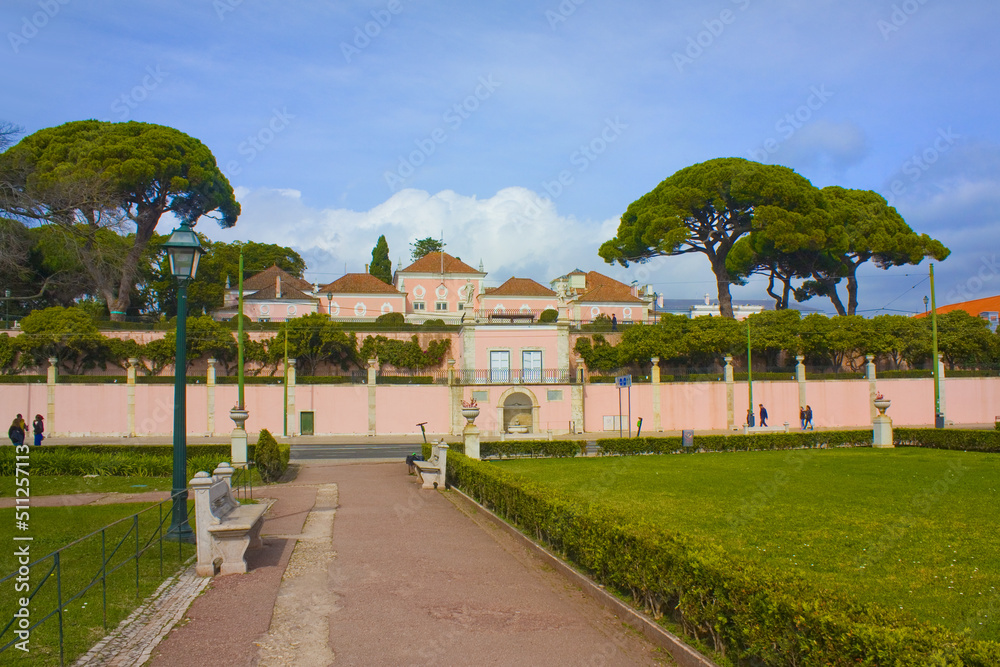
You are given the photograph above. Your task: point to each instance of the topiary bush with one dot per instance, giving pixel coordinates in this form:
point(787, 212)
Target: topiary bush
point(548, 316)
point(270, 462)
point(391, 319)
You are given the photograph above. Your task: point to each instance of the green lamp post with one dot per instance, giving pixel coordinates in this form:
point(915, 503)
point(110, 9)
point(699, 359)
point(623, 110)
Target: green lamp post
point(184, 251)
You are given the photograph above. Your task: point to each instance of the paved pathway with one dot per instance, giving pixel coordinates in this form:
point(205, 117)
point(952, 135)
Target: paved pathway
point(400, 576)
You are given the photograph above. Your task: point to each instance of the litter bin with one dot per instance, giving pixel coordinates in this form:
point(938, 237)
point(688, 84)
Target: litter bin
point(939, 421)
point(687, 438)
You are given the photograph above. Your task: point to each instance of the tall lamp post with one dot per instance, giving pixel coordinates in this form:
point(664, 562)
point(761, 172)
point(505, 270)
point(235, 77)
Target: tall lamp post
point(184, 251)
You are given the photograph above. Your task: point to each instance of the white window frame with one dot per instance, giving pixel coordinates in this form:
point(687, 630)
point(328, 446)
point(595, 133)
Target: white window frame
point(500, 366)
point(529, 373)
point(440, 306)
point(418, 305)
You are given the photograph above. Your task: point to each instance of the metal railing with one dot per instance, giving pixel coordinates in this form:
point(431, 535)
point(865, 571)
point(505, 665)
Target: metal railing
point(513, 376)
point(51, 594)
point(242, 480)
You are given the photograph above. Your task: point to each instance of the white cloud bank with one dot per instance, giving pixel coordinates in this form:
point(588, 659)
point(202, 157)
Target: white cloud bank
point(515, 232)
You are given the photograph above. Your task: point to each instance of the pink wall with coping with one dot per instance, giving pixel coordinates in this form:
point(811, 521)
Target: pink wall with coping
point(399, 408)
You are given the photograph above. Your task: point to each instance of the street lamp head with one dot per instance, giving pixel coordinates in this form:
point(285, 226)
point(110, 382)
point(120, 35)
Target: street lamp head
point(184, 250)
point(926, 300)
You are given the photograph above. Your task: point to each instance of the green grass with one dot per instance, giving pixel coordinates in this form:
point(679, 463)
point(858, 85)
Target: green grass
point(55, 485)
point(54, 527)
point(911, 529)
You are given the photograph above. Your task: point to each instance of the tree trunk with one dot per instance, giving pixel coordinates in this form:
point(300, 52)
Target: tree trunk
point(852, 291)
point(770, 292)
point(786, 292)
point(722, 278)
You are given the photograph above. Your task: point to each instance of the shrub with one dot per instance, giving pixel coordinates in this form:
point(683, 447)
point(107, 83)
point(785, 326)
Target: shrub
point(966, 440)
point(548, 316)
point(734, 443)
point(434, 323)
point(391, 319)
point(270, 461)
point(532, 448)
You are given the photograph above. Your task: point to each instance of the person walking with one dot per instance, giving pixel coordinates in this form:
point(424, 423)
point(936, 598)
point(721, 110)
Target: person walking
point(809, 418)
point(763, 415)
point(802, 417)
point(15, 432)
point(750, 419)
point(38, 426)
point(614, 322)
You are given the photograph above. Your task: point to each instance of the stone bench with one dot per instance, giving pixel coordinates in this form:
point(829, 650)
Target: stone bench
point(432, 472)
point(224, 529)
point(781, 428)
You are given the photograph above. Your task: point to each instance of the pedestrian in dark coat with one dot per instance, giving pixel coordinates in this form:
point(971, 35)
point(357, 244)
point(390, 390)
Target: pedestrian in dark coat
point(15, 432)
point(809, 418)
point(38, 426)
point(763, 415)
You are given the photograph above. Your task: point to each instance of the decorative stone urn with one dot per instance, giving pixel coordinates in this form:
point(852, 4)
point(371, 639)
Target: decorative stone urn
point(470, 414)
point(882, 404)
point(240, 416)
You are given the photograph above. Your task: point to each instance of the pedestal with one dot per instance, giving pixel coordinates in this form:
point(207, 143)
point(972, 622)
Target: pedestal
point(471, 434)
point(882, 432)
point(238, 438)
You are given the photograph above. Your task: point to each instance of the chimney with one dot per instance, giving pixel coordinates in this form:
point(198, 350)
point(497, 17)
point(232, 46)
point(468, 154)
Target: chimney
point(277, 286)
point(366, 268)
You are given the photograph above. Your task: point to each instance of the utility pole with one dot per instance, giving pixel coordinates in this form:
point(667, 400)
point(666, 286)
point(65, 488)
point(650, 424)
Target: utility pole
point(749, 373)
point(285, 383)
point(938, 417)
point(239, 338)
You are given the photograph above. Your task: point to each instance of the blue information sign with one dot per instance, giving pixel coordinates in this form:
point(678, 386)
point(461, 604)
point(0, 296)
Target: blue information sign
point(624, 381)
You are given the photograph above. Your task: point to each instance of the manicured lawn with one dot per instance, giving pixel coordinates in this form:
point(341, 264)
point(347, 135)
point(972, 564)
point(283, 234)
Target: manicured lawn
point(914, 529)
point(53, 485)
point(55, 527)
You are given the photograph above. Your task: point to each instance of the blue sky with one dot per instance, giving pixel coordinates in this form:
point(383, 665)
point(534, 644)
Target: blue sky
point(337, 122)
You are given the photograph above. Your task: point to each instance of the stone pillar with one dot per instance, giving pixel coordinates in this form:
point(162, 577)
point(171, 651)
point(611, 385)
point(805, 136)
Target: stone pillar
point(882, 429)
point(657, 402)
point(292, 416)
point(800, 378)
point(730, 394)
point(238, 438)
point(562, 349)
point(941, 383)
point(872, 390)
point(210, 392)
point(471, 435)
point(50, 412)
point(130, 398)
point(576, 391)
point(372, 376)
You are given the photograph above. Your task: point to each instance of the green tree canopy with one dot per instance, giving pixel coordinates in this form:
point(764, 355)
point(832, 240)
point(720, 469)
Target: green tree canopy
point(313, 339)
point(873, 230)
point(421, 247)
point(91, 175)
point(706, 208)
point(68, 334)
point(381, 267)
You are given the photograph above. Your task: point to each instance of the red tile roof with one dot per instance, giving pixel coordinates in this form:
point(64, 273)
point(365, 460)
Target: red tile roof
point(288, 293)
point(358, 283)
point(595, 279)
point(431, 263)
point(266, 278)
point(609, 294)
point(974, 307)
point(520, 287)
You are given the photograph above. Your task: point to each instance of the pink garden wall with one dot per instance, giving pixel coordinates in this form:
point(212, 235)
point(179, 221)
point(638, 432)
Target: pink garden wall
point(101, 409)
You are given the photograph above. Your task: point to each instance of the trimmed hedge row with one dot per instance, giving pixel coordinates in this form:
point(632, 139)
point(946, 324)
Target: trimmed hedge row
point(749, 614)
point(124, 460)
point(966, 440)
point(735, 443)
point(532, 448)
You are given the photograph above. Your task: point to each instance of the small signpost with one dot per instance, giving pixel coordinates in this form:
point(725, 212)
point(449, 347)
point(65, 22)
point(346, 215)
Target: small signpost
point(624, 382)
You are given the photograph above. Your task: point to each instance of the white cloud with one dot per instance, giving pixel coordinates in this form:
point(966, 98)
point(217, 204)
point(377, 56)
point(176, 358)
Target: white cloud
point(514, 232)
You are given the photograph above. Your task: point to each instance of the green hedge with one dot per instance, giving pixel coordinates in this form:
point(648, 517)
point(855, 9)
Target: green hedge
point(532, 448)
point(966, 440)
point(736, 443)
point(749, 614)
point(124, 460)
